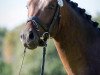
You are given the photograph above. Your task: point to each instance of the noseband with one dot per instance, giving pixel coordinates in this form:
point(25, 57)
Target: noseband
point(37, 22)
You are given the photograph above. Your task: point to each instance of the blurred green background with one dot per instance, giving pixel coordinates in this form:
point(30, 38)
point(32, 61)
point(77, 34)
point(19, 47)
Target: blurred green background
point(13, 13)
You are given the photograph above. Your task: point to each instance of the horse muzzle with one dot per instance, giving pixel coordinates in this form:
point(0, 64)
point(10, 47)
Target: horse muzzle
point(29, 39)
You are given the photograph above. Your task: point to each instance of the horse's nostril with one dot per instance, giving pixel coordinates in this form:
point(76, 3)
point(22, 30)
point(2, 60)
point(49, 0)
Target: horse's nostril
point(31, 35)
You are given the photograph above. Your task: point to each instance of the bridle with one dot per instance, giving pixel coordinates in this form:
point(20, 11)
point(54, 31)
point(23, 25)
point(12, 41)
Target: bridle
point(37, 22)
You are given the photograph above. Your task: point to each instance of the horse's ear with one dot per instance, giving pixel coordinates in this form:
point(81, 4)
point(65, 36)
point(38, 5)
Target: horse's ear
point(60, 3)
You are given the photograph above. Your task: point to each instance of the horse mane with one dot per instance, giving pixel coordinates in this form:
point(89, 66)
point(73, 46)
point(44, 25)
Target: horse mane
point(82, 12)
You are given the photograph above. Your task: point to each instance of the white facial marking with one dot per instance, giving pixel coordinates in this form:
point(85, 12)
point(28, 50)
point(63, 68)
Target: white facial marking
point(43, 3)
point(60, 2)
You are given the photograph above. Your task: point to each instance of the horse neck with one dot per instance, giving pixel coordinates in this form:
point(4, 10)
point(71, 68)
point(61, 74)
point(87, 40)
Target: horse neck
point(75, 38)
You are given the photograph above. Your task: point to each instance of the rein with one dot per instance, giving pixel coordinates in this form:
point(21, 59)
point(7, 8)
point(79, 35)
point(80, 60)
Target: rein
point(45, 37)
point(43, 60)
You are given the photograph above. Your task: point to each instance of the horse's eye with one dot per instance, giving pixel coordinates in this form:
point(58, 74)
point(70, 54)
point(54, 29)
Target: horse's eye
point(51, 6)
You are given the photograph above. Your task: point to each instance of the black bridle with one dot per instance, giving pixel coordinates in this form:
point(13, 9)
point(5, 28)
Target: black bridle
point(36, 21)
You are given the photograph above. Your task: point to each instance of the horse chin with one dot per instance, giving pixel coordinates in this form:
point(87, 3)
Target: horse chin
point(32, 44)
point(31, 47)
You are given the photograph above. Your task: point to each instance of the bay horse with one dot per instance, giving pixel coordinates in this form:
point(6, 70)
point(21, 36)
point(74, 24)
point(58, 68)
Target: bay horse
point(75, 35)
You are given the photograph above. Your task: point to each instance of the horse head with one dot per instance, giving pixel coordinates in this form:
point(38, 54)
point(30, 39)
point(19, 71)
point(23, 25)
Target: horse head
point(43, 18)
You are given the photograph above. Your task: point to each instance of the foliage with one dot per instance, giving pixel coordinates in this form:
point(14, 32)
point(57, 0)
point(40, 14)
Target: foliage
point(5, 68)
point(2, 32)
